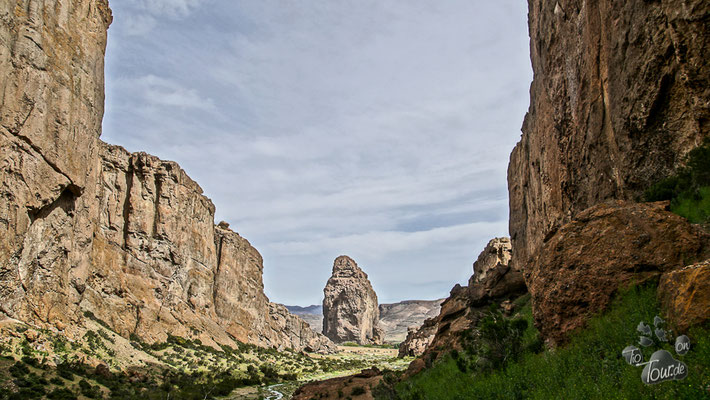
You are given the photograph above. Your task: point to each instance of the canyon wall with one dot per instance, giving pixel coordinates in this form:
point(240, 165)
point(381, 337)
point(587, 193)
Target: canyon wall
point(620, 94)
point(88, 228)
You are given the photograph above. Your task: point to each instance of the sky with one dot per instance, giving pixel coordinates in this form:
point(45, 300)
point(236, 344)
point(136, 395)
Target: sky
point(378, 129)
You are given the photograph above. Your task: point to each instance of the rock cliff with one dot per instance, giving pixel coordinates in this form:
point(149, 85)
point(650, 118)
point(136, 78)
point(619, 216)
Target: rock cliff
point(493, 279)
point(350, 310)
point(90, 227)
point(620, 94)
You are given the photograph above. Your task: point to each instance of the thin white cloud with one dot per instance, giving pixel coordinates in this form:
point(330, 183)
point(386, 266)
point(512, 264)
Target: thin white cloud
point(155, 91)
point(139, 25)
point(171, 8)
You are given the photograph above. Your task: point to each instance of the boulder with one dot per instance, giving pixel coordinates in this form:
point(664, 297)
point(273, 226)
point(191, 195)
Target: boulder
point(418, 339)
point(685, 295)
point(607, 247)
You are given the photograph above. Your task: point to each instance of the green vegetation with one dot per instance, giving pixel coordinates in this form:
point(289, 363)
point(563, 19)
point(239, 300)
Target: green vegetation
point(689, 189)
point(50, 366)
point(589, 367)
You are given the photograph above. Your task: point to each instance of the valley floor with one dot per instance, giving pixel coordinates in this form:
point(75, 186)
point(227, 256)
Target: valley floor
point(40, 364)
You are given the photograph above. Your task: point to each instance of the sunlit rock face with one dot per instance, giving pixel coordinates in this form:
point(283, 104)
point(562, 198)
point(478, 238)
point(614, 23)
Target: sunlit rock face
point(350, 310)
point(89, 227)
point(621, 92)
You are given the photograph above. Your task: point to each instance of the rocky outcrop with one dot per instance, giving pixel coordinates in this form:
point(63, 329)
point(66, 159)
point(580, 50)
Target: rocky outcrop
point(396, 319)
point(418, 339)
point(494, 275)
point(89, 227)
point(607, 247)
point(621, 92)
point(685, 295)
point(283, 329)
point(350, 311)
point(494, 279)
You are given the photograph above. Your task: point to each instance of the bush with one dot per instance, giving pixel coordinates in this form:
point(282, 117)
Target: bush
point(357, 391)
point(62, 394)
point(19, 369)
point(65, 371)
point(92, 392)
point(496, 341)
point(689, 188)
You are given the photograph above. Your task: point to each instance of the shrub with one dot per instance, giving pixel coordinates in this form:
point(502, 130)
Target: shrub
point(19, 369)
point(62, 394)
point(357, 391)
point(689, 188)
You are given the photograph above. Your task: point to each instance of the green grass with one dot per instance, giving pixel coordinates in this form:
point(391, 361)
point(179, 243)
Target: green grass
point(689, 188)
point(180, 368)
point(694, 207)
point(590, 367)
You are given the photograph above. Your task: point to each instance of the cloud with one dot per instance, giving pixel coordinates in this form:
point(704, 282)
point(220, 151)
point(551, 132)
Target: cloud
point(153, 92)
point(140, 25)
point(170, 8)
point(377, 128)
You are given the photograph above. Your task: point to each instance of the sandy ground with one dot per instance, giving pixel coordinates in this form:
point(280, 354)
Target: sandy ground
point(368, 350)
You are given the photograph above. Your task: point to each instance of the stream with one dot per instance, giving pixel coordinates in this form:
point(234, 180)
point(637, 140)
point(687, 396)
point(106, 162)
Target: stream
point(273, 393)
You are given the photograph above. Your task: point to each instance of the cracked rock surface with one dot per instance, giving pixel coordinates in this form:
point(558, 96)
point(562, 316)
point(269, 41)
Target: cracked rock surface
point(89, 227)
point(620, 93)
point(350, 309)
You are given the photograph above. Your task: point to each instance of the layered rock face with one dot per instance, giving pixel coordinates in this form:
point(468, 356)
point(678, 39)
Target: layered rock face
point(350, 310)
point(493, 279)
point(85, 226)
point(605, 248)
point(621, 92)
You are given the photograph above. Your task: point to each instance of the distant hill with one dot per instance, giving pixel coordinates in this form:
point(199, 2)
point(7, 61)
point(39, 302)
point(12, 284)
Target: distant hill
point(395, 318)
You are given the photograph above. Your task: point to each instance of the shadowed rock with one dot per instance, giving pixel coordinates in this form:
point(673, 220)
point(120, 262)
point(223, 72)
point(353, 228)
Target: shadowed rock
point(607, 247)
